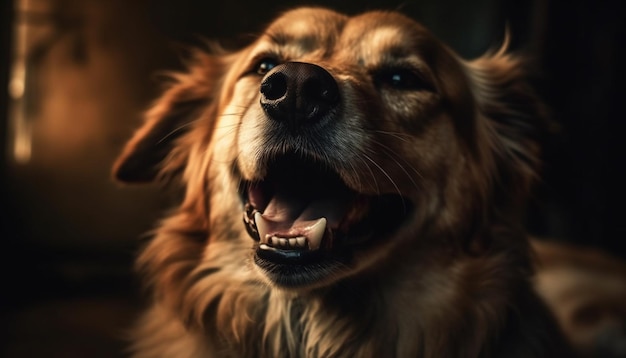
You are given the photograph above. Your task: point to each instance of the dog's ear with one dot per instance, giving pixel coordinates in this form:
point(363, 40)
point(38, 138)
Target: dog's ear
point(187, 98)
point(512, 119)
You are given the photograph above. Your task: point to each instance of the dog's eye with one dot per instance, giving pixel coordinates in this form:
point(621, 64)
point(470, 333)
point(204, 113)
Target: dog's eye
point(401, 79)
point(265, 65)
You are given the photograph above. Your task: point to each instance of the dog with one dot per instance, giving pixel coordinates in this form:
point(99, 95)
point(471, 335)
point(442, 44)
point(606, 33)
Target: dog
point(351, 188)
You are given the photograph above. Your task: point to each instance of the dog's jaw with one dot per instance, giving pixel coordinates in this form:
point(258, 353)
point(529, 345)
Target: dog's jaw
point(308, 225)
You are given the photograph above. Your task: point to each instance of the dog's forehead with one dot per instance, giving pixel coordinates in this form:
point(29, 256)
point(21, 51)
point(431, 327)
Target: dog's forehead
point(365, 36)
point(308, 28)
point(382, 29)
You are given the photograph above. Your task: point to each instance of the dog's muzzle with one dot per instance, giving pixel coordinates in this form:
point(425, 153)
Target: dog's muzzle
point(306, 221)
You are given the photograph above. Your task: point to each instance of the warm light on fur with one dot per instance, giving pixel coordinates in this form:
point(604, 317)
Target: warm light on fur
point(454, 143)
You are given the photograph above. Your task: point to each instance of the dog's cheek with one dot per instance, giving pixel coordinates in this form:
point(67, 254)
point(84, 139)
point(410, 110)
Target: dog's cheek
point(238, 126)
point(415, 139)
point(441, 169)
point(430, 154)
point(411, 111)
point(251, 142)
point(225, 203)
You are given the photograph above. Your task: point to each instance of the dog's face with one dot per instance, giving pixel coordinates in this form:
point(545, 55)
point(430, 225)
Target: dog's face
point(339, 129)
point(341, 140)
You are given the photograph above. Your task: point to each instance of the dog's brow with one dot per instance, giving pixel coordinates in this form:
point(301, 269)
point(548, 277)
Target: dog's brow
point(384, 46)
point(282, 39)
point(279, 39)
point(398, 51)
point(298, 45)
point(305, 34)
point(391, 40)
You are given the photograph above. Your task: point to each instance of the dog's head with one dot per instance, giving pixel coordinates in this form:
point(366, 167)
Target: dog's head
point(341, 141)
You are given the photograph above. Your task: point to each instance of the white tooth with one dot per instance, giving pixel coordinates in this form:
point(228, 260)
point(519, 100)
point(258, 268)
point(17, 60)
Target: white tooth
point(264, 247)
point(316, 233)
point(301, 241)
point(293, 243)
point(261, 227)
point(282, 242)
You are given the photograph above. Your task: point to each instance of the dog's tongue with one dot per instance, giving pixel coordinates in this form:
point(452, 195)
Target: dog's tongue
point(297, 215)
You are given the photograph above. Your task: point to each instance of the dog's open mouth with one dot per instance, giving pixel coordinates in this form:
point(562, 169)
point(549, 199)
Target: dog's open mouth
point(308, 222)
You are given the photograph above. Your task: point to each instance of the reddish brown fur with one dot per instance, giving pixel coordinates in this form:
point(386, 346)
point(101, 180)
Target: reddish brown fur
point(451, 282)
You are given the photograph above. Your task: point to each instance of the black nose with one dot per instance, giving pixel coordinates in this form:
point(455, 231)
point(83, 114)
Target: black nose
point(297, 93)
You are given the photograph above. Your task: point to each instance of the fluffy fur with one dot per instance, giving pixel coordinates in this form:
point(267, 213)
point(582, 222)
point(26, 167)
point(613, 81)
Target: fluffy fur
point(454, 141)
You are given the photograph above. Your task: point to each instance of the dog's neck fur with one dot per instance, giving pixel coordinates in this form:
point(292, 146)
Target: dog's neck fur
point(252, 319)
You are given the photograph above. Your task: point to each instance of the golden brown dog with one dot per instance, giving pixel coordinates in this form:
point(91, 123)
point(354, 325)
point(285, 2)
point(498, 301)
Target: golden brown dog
point(380, 178)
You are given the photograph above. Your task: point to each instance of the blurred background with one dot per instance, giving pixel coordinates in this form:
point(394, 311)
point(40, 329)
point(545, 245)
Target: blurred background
point(75, 76)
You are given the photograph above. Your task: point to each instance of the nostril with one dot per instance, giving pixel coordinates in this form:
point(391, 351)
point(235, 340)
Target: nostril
point(330, 95)
point(274, 86)
point(321, 89)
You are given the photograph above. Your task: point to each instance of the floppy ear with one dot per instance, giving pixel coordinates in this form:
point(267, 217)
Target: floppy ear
point(512, 118)
point(145, 155)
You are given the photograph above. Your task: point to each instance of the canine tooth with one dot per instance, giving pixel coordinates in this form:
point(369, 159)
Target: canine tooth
point(261, 227)
point(316, 233)
point(300, 241)
point(264, 247)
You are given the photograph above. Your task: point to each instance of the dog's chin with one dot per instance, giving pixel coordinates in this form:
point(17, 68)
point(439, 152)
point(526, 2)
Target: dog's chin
point(309, 228)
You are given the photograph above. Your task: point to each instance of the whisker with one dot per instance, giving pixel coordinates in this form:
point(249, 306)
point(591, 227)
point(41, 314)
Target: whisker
point(232, 114)
point(390, 153)
point(226, 126)
point(371, 171)
point(403, 169)
point(398, 135)
point(177, 129)
point(356, 174)
point(243, 108)
point(382, 170)
point(235, 172)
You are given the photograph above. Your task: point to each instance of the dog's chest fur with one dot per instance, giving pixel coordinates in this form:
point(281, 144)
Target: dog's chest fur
point(427, 316)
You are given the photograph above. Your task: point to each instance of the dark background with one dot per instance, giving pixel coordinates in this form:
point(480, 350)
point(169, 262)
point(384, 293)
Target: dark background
point(69, 234)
